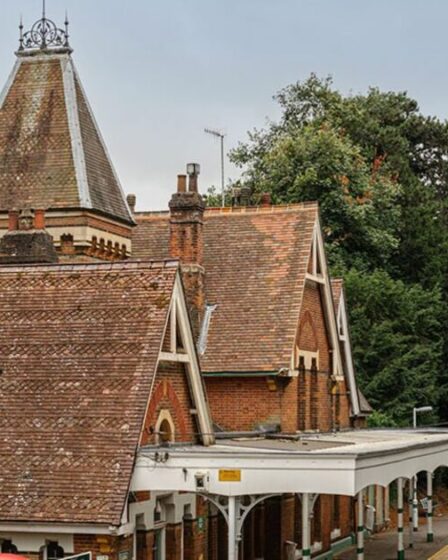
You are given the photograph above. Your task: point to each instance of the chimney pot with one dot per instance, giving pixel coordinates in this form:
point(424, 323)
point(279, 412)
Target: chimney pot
point(13, 220)
point(132, 202)
point(39, 219)
point(181, 183)
point(193, 170)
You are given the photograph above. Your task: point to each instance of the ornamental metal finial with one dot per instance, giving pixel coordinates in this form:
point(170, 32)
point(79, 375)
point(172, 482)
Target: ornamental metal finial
point(44, 35)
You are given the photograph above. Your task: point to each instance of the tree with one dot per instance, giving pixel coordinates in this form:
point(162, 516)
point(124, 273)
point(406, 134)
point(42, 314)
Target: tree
point(379, 169)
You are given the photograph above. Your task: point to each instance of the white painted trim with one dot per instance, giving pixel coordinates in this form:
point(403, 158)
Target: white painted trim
point(10, 81)
point(174, 357)
point(345, 339)
point(68, 74)
point(341, 470)
point(61, 529)
point(194, 371)
point(318, 279)
point(173, 330)
point(338, 369)
point(103, 143)
point(165, 414)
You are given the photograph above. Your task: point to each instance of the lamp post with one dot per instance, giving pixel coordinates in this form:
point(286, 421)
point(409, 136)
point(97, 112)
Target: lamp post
point(415, 412)
point(221, 136)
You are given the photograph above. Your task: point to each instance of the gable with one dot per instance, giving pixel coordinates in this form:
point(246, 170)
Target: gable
point(318, 286)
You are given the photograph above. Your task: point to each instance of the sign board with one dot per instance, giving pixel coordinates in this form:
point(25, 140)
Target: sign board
point(81, 556)
point(229, 475)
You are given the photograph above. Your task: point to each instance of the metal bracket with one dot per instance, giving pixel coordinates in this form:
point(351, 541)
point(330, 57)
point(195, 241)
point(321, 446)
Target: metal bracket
point(242, 511)
point(312, 501)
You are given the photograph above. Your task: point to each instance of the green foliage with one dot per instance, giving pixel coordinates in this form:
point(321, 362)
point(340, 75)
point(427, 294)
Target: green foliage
point(380, 420)
point(397, 337)
point(379, 169)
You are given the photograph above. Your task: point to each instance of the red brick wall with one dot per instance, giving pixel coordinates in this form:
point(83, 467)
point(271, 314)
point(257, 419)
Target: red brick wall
point(171, 392)
point(174, 542)
point(103, 545)
point(196, 533)
point(243, 403)
point(312, 333)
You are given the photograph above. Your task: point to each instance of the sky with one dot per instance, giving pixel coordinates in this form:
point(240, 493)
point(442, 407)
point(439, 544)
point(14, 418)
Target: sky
point(158, 72)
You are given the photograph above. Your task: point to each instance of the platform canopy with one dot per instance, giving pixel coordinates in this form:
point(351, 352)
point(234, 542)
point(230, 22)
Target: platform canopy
point(343, 463)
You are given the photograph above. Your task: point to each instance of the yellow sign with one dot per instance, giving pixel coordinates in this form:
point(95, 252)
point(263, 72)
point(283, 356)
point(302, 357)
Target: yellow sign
point(229, 476)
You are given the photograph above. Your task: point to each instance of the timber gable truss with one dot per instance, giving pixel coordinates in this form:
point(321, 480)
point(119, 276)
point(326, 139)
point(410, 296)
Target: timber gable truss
point(317, 274)
point(182, 349)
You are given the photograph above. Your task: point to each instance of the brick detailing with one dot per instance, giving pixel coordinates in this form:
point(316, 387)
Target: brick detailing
point(173, 541)
point(171, 393)
point(196, 533)
point(103, 545)
point(186, 243)
point(213, 543)
point(315, 402)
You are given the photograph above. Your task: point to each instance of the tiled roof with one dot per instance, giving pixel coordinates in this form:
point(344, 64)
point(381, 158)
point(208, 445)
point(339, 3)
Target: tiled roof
point(255, 262)
point(78, 352)
point(51, 151)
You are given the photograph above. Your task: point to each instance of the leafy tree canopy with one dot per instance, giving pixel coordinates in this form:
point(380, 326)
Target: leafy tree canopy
point(379, 169)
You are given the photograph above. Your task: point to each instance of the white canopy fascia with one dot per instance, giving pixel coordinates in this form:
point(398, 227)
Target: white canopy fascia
point(341, 470)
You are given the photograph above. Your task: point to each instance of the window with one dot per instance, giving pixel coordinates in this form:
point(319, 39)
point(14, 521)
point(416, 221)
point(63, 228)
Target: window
point(165, 430)
point(54, 551)
point(8, 547)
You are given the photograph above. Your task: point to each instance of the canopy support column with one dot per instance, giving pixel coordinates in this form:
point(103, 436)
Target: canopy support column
point(400, 554)
point(415, 503)
point(360, 527)
point(411, 513)
point(306, 531)
point(232, 542)
point(430, 534)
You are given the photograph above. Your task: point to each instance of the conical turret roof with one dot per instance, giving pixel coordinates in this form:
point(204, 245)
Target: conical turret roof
point(52, 155)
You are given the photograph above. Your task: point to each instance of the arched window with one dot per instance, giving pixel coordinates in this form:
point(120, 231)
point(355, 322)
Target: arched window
point(165, 430)
point(54, 551)
point(8, 547)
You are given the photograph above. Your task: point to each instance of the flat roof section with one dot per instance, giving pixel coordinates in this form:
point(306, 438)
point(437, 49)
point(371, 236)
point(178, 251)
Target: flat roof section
point(342, 463)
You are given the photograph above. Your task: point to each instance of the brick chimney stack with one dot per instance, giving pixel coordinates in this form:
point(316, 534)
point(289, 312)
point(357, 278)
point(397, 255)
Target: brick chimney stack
point(187, 240)
point(27, 241)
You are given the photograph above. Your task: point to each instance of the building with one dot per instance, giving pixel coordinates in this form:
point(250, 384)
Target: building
point(131, 342)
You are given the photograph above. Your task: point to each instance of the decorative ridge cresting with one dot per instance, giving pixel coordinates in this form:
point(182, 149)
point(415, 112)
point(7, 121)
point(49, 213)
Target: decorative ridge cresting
point(44, 35)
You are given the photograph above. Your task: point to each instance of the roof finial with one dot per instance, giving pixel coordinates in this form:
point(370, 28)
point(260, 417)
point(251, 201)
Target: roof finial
point(21, 33)
point(66, 23)
point(45, 35)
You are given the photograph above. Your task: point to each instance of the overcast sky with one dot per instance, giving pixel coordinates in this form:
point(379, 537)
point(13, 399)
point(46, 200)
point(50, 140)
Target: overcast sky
point(158, 72)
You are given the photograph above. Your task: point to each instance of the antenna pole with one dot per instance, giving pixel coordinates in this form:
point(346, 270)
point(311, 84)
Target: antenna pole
point(222, 172)
point(221, 136)
point(44, 11)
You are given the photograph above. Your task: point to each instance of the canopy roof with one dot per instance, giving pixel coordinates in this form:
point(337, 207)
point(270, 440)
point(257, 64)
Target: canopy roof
point(341, 463)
